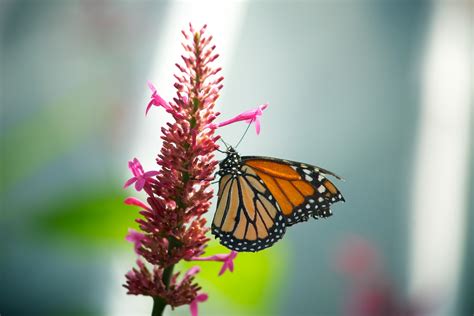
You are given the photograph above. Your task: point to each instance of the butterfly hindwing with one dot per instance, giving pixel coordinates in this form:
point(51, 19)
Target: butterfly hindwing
point(248, 218)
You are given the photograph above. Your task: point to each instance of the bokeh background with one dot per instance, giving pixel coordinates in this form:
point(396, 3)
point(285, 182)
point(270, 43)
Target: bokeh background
point(378, 92)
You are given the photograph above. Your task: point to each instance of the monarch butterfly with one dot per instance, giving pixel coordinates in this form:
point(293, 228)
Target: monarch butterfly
point(259, 197)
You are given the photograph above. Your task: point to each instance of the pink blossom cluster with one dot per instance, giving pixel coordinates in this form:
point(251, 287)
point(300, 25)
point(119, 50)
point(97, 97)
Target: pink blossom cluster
point(372, 292)
point(172, 224)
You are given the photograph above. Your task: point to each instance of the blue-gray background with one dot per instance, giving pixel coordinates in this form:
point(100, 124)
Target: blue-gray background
point(343, 82)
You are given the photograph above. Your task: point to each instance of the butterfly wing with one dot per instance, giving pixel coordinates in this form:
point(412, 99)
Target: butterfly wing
point(301, 190)
point(247, 218)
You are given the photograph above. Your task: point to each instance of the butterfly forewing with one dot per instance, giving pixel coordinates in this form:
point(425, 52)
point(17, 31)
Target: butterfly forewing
point(301, 190)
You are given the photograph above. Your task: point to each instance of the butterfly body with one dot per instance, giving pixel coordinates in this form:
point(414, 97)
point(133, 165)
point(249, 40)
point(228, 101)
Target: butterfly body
point(259, 197)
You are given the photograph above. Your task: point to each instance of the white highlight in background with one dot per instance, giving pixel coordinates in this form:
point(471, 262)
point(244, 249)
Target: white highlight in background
point(223, 19)
point(439, 205)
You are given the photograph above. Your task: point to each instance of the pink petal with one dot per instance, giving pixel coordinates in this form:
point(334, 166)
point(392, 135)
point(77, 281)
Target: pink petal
point(138, 166)
point(136, 202)
point(191, 272)
point(194, 308)
point(202, 297)
point(135, 167)
point(223, 269)
point(161, 102)
point(136, 238)
point(218, 257)
point(151, 86)
point(129, 182)
point(194, 304)
point(248, 116)
point(148, 107)
point(156, 99)
point(227, 259)
point(150, 174)
point(140, 184)
point(257, 126)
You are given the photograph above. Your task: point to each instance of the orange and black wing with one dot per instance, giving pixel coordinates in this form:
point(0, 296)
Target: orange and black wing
point(247, 218)
point(300, 190)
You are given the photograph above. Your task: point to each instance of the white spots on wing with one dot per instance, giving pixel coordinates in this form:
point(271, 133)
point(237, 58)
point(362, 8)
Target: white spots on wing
point(308, 178)
point(321, 189)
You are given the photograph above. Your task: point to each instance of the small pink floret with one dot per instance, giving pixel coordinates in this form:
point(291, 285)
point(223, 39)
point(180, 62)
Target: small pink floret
point(200, 298)
point(192, 272)
point(250, 116)
point(140, 178)
point(136, 202)
point(227, 259)
point(156, 99)
point(136, 238)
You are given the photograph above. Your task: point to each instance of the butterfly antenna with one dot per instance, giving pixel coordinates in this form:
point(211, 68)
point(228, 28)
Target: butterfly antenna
point(241, 138)
point(225, 144)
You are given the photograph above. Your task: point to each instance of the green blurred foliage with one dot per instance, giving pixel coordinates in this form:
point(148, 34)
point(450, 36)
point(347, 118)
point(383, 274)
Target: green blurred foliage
point(254, 286)
point(97, 216)
point(50, 132)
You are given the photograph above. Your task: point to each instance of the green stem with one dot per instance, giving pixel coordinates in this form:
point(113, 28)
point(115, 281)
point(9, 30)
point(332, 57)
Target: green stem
point(159, 304)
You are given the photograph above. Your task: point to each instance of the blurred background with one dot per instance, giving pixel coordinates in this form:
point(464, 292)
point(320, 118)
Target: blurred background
point(378, 92)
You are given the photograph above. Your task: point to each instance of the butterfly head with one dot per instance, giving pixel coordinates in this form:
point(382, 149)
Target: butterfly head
point(231, 164)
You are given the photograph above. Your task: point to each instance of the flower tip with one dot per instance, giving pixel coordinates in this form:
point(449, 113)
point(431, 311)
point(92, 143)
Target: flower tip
point(257, 126)
point(151, 86)
point(148, 107)
point(192, 272)
point(136, 202)
point(129, 182)
point(136, 238)
point(200, 298)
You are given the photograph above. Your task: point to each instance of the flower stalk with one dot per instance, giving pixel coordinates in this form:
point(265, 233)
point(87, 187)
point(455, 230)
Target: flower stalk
point(178, 195)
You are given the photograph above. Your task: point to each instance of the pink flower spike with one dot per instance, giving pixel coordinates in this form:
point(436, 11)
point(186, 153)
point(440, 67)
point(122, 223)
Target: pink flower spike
point(200, 298)
point(228, 260)
point(136, 202)
point(156, 99)
point(136, 238)
point(247, 116)
point(139, 176)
